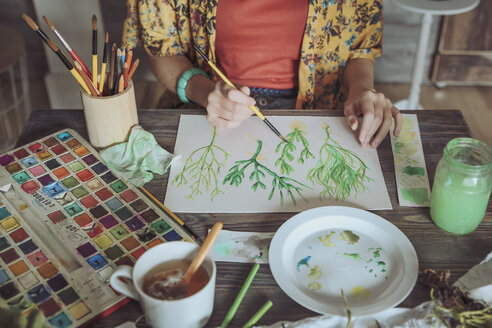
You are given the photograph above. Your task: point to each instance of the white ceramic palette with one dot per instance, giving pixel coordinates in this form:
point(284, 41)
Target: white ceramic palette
point(318, 252)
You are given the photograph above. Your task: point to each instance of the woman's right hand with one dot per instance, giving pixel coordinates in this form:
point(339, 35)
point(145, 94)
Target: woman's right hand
point(227, 107)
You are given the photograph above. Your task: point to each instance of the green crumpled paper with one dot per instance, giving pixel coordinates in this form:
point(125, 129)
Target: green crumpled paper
point(137, 159)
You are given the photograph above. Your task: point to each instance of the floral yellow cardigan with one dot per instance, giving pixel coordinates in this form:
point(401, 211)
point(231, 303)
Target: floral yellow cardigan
point(336, 31)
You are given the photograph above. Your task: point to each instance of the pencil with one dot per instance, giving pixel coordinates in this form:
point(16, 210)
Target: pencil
point(125, 75)
point(255, 109)
point(67, 46)
point(87, 80)
point(35, 27)
point(94, 50)
point(111, 69)
point(128, 62)
point(68, 64)
point(103, 65)
point(133, 68)
point(240, 296)
point(257, 316)
point(123, 56)
point(171, 214)
point(121, 84)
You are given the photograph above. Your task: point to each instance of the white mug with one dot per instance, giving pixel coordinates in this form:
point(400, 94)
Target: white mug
point(189, 312)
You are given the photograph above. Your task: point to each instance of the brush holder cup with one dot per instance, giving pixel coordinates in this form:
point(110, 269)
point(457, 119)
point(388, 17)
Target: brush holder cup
point(110, 119)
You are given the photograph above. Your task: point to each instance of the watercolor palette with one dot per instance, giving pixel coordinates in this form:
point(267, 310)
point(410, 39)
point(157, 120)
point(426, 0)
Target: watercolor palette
point(318, 252)
point(66, 222)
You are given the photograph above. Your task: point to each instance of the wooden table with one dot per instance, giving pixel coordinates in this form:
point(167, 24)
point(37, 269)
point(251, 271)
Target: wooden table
point(435, 248)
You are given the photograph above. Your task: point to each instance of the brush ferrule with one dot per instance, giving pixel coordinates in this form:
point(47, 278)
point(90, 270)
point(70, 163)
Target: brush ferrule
point(94, 42)
point(43, 35)
point(105, 53)
point(62, 40)
point(64, 59)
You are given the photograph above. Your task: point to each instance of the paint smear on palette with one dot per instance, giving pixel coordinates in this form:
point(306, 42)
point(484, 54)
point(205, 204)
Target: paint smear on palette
point(245, 247)
point(372, 260)
point(411, 174)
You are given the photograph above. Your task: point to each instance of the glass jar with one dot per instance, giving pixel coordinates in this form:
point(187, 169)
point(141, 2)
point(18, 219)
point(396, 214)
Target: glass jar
point(462, 185)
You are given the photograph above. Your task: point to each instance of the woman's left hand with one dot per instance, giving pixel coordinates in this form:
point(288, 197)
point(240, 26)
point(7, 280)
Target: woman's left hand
point(377, 113)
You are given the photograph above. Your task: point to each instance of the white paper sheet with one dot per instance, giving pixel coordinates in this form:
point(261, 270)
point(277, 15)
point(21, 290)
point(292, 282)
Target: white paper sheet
point(199, 181)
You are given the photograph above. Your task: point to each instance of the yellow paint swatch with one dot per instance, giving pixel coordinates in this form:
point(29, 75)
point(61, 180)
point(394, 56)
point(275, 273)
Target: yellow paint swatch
point(79, 310)
point(103, 241)
point(9, 224)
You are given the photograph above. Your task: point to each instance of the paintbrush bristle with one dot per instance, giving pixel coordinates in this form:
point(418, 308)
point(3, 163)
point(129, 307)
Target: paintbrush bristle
point(30, 22)
point(94, 22)
point(107, 38)
point(49, 23)
point(118, 52)
point(52, 45)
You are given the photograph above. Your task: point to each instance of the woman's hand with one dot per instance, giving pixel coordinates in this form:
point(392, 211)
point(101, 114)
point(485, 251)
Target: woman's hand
point(377, 113)
point(228, 107)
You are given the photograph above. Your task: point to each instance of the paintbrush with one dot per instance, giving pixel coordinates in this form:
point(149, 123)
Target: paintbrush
point(103, 65)
point(255, 109)
point(111, 69)
point(94, 49)
point(35, 27)
point(118, 70)
point(87, 80)
point(72, 52)
point(68, 65)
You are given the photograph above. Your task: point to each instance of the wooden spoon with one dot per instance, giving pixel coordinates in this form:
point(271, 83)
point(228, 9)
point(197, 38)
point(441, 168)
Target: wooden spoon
point(202, 253)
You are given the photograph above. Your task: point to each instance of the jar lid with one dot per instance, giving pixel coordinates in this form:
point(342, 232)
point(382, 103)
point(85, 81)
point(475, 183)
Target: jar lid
point(468, 154)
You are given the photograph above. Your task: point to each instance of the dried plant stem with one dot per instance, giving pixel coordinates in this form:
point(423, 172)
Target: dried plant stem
point(203, 171)
point(340, 171)
point(259, 171)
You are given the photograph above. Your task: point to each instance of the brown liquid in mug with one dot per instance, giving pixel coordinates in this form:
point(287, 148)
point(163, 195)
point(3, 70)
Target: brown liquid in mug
point(163, 281)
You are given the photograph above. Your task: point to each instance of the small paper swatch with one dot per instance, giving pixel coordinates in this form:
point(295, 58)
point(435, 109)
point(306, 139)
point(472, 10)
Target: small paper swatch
point(412, 181)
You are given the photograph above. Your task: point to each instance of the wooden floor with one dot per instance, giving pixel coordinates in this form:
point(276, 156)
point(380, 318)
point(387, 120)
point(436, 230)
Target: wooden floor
point(474, 102)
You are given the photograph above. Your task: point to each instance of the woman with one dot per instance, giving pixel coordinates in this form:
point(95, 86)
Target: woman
point(281, 54)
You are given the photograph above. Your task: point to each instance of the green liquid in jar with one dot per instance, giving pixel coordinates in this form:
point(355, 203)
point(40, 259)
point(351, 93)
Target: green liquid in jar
point(457, 211)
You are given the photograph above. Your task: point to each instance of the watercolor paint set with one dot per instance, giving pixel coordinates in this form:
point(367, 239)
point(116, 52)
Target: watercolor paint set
point(66, 222)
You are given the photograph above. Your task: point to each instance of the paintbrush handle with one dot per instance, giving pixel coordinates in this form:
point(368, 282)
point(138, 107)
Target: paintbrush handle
point(202, 253)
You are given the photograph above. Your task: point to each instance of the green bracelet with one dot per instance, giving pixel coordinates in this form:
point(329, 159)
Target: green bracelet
point(183, 81)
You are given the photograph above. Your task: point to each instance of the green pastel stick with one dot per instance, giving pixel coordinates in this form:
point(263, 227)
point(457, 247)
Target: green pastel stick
point(257, 316)
point(240, 296)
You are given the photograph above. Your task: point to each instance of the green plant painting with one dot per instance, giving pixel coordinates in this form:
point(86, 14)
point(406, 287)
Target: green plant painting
point(202, 168)
point(287, 148)
point(338, 170)
point(258, 176)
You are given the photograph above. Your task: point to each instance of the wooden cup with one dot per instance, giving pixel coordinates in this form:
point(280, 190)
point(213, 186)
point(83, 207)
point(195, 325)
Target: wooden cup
point(110, 119)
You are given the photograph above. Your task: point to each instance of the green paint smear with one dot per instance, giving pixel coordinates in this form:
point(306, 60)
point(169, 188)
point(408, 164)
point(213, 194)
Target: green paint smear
point(326, 240)
point(354, 256)
point(414, 170)
point(375, 251)
point(315, 273)
point(314, 285)
point(348, 236)
point(381, 263)
point(415, 195)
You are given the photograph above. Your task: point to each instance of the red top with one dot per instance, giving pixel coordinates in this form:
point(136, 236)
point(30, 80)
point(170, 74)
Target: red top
point(258, 42)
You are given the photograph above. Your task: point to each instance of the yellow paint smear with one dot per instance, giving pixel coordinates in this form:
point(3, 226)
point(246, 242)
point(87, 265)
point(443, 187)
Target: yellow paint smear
point(360, 291)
